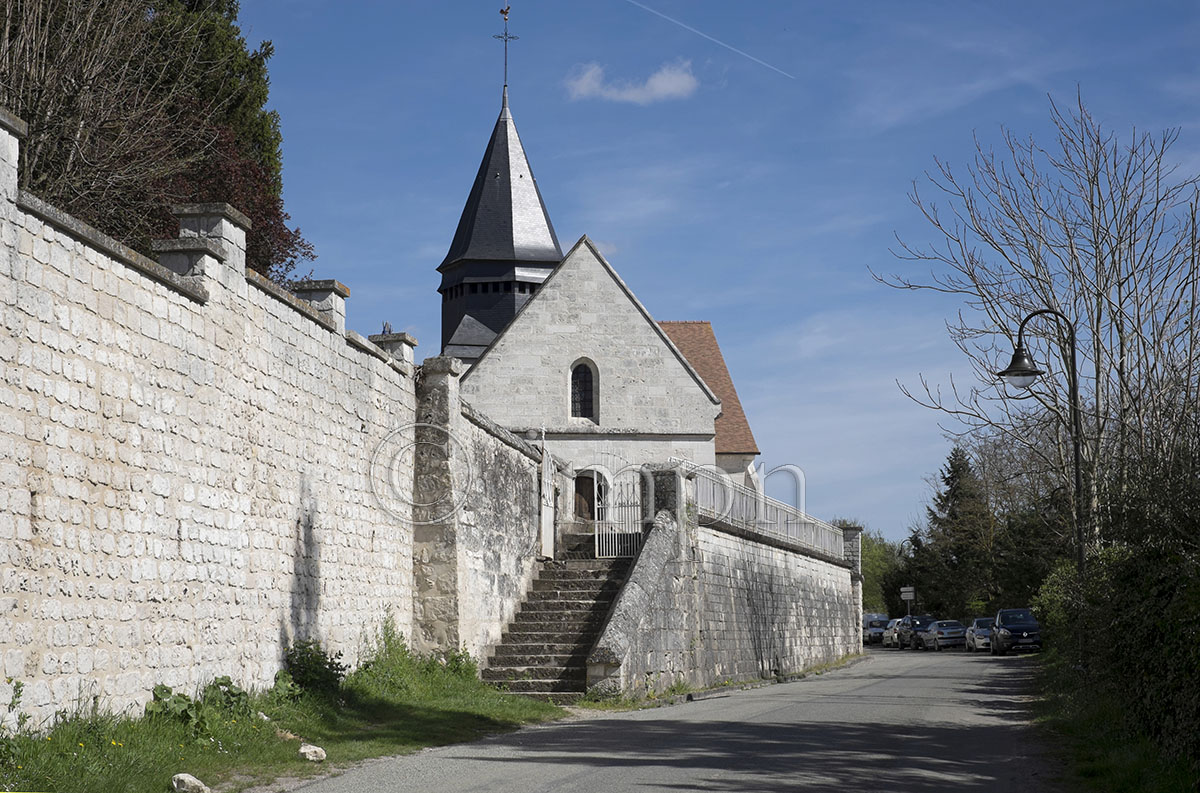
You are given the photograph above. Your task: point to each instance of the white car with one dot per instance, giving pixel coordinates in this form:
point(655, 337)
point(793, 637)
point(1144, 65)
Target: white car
point(979, 634)
point(889, 634)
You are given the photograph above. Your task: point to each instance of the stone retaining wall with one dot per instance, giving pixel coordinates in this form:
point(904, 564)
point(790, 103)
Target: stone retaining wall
point(478, 536)
point(703, 605)
point(185, 449)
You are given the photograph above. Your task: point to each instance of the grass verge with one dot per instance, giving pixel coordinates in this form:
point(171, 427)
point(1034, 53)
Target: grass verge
point(396, 702)
point(1101, 754)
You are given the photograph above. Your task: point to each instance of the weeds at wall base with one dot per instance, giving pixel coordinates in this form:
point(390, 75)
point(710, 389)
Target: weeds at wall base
point(395, 702)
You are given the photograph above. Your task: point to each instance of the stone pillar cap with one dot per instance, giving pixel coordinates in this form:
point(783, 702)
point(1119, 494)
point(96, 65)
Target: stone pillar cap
point(190, 245)
point(393, 338)
point(322, 285)
point(443, 364)
point(219, 208)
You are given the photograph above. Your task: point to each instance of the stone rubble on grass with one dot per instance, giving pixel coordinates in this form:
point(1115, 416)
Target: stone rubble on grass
point(314, 753)
point(186, 783)
point(263, 716)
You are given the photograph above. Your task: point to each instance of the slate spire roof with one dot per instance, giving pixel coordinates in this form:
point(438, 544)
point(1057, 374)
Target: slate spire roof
point(505, 218)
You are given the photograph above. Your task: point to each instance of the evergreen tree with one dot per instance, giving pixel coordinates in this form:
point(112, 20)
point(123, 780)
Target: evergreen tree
point(952, 555)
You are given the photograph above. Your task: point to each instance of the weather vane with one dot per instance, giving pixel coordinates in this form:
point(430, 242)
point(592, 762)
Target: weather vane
point(505, 37)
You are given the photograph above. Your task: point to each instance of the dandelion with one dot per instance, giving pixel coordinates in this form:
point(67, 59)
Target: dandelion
point(114, 743)
point(81, 744)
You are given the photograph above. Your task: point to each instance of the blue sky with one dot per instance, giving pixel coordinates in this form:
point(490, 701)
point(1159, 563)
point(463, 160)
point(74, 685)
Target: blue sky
point(745, 163)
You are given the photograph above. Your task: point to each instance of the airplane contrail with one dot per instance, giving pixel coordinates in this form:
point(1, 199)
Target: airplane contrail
point(710, 38)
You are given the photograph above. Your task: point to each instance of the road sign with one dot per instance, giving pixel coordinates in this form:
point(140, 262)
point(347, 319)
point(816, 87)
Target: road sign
point(908, 593)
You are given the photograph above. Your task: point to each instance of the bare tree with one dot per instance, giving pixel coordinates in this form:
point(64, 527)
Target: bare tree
point(110, 92)
point(1103, 230)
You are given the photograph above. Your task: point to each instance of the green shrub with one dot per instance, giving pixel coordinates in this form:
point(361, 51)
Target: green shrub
point(313, 669)
point(1128, 633)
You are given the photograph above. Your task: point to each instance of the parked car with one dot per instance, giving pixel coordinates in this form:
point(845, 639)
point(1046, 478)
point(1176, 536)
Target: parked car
point(906, 631)
point(1015, 629)
point(889, 633)
point(979, 634)
point(873, 625)
point(942, 633)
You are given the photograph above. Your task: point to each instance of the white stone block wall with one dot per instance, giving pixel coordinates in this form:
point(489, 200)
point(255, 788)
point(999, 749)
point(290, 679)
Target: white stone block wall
point(184, 484)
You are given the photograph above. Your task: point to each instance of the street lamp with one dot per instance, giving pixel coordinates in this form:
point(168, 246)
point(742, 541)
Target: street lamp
point(1021, 373)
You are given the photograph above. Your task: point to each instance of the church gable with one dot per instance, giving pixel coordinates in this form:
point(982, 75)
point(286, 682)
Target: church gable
point(584, 314)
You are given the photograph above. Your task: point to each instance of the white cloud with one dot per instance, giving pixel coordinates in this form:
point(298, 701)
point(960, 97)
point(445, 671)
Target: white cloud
point(671, 81)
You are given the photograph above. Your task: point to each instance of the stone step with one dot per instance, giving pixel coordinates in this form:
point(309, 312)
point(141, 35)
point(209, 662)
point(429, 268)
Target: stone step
point(606, 596)
point(566, 606)
point(561, 619)
point(497, 674)
point(540, 660)
point(543, 686)
point(532, 634)
point(570, 649)
point(596, 567)
point(557, 697)
point(584, 586)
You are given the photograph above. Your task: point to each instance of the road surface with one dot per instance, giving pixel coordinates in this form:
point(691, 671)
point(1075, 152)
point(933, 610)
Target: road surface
point(897, 721)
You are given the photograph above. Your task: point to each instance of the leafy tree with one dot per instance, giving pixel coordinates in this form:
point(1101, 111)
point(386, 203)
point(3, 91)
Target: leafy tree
point(133, 105)
point(879, 558)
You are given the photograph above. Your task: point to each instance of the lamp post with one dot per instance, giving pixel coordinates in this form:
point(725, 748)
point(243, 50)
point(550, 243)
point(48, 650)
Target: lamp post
point(1021, 373)
point(907, 601)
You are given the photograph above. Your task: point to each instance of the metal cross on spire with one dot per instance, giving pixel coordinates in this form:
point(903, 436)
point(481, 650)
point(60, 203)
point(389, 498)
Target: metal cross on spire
point(505, 37)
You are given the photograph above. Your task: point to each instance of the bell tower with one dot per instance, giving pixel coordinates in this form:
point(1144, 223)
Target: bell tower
point(504, 246)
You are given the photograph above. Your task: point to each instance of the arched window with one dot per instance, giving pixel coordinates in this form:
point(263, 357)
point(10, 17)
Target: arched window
point(583, 392)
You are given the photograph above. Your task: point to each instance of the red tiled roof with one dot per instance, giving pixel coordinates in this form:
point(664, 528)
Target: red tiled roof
point(698, 344)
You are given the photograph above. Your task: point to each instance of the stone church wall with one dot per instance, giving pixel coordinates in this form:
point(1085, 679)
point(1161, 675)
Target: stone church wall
point(704, 605)
point(185, 454)
point(650, 406)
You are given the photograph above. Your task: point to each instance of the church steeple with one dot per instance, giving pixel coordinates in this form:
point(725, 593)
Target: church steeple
point(503, 249)
point(505, 217)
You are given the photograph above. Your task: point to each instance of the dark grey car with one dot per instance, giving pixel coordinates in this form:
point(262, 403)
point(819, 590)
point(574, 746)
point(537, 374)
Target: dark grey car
point(906, 630)
point(1015, 629)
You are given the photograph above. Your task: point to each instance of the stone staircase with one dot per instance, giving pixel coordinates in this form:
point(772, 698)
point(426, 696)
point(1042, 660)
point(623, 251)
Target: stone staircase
point(543, 651)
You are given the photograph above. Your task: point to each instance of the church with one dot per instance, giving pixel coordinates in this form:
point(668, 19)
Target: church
point(559, 349)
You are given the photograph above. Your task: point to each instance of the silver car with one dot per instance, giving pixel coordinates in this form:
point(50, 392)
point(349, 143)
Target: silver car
point(873, 625)
point(942, 633)
point(979, 634)
point(889, 634)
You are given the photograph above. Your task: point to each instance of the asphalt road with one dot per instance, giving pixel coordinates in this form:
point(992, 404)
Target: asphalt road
point(899, 721)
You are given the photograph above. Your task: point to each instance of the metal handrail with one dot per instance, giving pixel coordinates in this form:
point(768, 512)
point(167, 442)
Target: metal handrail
point(721, 499)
